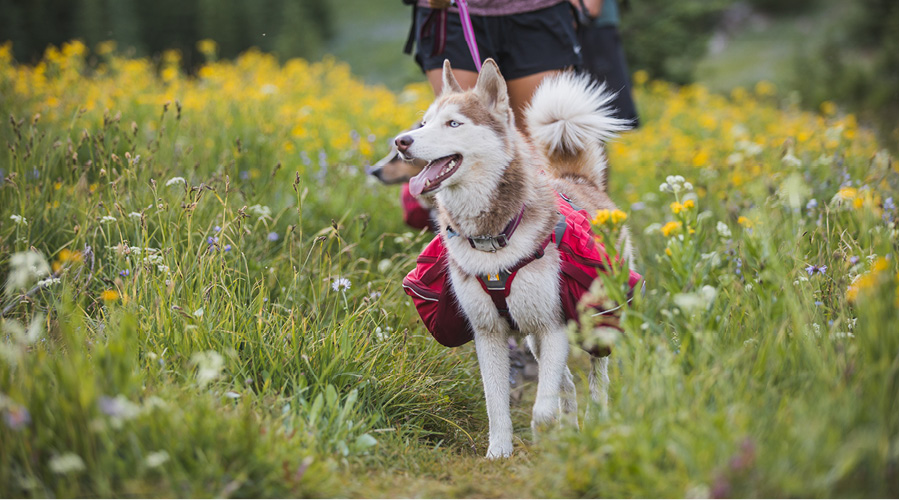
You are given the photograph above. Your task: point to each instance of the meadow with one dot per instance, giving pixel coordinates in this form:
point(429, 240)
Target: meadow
point(202, 296)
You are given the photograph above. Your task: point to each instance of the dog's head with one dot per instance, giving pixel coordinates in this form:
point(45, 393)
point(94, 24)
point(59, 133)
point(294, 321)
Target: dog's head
point(464, 136)
point(392, 169)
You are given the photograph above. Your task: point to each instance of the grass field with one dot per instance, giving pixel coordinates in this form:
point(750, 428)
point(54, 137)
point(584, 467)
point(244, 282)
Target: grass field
point(203, 298)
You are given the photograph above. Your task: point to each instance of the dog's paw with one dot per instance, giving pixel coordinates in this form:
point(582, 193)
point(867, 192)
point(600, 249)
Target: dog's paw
point(496, 451)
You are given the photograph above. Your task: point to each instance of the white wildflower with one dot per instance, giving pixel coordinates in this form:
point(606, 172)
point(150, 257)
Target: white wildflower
point(340, 284)
point(209, 366)
point(107, 219)
point(66, 463)
point(19, 220)
point(723, 230)
point(47, 282)
point(135, 215)
point(119, 409)
point(261, 211)
point(156, 459)
point(692, 302)
point(790, 160)
point(25, 268)
point(176, 180)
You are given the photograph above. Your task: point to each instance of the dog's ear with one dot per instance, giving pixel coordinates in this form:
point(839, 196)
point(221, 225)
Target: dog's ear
point(450, 85)
point(491, 87)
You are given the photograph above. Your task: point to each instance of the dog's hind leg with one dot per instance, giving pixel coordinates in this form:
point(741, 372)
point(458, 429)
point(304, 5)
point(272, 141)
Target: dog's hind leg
point(493, 360)
point(568, 404)
point(553, 352)
point(599, 382)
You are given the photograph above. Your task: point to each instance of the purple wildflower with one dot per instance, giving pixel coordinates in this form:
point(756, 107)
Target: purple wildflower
point(244, 175)
point(17, 417)
point(124, 272)
point(273, 236)
point(812, 269)
point(212, 240)
point(227, 248)
point(217, 229)
point(854, 260)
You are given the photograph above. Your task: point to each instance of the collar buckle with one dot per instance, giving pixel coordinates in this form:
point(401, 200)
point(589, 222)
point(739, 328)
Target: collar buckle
point(489, 243)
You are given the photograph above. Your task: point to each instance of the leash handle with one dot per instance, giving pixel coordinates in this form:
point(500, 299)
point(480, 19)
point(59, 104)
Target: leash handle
point(469, 32)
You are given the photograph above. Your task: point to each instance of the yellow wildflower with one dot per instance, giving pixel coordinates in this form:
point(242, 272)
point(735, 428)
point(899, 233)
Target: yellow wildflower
point(107, 47)
point(867, 280)
point(207, 47)
point(617, 216)
point(640, 77)
point(672, 227)
point(828, 108)
point(601, 217)
point(764, 88)
point(668, 251)
point(745, 221)
point(66, 255)
point(676, 207)
point(109, 295)
point(688, 204)
point(701, 158)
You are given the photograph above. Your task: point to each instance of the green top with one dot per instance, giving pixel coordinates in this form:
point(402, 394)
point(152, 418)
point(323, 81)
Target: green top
point(609, 16)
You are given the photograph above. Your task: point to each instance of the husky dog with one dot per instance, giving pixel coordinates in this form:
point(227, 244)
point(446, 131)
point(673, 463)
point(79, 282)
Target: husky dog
point(482, 174)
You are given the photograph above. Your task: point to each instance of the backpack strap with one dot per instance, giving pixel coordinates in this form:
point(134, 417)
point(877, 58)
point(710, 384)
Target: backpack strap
point(498, 285)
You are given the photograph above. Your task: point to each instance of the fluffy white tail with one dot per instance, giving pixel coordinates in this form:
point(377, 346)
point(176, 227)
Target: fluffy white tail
point(569, 118)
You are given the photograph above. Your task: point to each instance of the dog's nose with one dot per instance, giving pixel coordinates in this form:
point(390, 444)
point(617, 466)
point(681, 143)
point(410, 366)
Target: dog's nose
point(403, 142)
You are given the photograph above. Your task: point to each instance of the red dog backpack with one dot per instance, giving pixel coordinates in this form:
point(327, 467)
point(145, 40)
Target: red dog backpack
point(582, 259)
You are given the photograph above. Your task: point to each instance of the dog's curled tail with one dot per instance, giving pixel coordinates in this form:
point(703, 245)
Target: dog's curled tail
point(569, 118)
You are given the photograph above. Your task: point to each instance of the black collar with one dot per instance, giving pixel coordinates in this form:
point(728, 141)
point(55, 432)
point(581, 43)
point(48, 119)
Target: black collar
point(493, 243)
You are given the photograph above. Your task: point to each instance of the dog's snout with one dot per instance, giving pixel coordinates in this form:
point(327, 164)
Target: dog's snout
point(403, 142)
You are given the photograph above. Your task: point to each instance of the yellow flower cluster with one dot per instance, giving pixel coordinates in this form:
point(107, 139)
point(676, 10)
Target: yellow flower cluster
point(867, 280)
point(678, 207)
point(296, 105)
point(724, 142)
point(613, 217)
point(671, 228)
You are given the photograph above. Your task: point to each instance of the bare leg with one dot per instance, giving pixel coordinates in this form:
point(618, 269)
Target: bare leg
point(520, 92)
point(520, 89)
point(466, 79)
point(493, 360)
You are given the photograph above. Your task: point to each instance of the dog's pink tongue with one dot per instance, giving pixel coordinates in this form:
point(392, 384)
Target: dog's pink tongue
point(430, 173)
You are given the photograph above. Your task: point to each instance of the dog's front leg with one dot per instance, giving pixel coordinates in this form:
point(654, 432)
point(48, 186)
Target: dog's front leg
point(554, 352)
point(493, 359)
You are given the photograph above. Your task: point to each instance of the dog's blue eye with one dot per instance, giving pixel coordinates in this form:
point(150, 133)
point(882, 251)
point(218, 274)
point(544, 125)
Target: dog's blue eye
point(454, 123)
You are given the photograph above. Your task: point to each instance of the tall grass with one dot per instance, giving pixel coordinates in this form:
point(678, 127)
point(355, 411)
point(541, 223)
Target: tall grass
point(204, 296)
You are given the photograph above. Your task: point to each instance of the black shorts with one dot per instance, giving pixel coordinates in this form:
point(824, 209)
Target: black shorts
point(521, 44)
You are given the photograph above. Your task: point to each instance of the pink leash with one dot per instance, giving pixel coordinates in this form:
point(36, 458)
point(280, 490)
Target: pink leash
point(468, 32)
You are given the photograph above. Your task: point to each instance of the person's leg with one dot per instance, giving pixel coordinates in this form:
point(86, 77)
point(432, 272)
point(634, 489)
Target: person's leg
point(465, 78)
point(520, 92)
